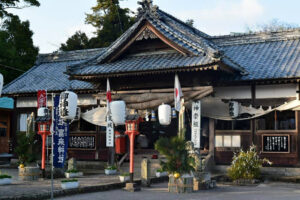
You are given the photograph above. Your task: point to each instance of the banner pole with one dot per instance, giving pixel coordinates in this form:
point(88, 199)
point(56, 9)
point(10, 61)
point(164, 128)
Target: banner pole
point(52, 147)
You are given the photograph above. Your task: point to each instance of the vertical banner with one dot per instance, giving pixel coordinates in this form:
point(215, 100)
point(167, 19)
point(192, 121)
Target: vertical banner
point(41, 98)
point(109, 131)
point(60, 137)
point(196, 123)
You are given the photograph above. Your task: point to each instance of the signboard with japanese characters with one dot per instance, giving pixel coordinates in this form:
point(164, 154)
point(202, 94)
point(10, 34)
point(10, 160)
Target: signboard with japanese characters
point(196, 123)
point(60, 136)
point(82, 142)
point(109, 132)
point(276, 143)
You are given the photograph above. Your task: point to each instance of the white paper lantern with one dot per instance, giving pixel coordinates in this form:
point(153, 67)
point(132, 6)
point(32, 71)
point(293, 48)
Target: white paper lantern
point(67, 105)
point(118, 112)
point(42, 112)
point(164, 114)
point(1, 83)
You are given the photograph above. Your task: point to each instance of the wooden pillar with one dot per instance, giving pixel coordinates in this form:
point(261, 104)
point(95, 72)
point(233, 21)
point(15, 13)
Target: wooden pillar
point(212, 137)
point(253, 127)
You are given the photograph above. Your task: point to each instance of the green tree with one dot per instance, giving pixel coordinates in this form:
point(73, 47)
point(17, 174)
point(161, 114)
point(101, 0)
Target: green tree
point(110, 21)
point(17, 49)
point(77, 41)
point(15, 4)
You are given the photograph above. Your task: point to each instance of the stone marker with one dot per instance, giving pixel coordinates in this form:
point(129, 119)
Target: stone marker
point(145, 172)
point(72, 164)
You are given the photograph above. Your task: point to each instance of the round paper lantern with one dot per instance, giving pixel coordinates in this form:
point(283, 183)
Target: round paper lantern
point(1, 83)
point(42, 112)
point(67, 105)
point(164, 114)
point(118, 112)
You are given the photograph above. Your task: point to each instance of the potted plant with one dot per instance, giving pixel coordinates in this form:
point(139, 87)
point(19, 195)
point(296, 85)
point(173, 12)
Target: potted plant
point(160, 173)
point(73, 173)
point(245, 166)
point(69, 183)
point(26, 150)
point(124, 177)
point(5, 179)
point(110, 170)
point(179, 163)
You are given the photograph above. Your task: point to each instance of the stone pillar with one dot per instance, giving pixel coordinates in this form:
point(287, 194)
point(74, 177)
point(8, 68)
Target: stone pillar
point(145, 172)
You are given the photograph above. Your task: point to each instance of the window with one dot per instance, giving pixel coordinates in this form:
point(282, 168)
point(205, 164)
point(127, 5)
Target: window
point(23, 122)
point(228, 141)
point(276, 120)
point(233, 125)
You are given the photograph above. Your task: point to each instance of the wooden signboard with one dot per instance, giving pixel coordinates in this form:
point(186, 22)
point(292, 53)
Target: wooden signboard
point(82, 142)
point(276, 143)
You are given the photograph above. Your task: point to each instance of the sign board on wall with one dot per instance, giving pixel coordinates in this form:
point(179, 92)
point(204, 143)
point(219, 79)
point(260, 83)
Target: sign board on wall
point(82, 142)
point(196, 123)
point(276, 143)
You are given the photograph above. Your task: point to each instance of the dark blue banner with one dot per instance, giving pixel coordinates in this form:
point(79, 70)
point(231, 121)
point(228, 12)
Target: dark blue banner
point(61, 136)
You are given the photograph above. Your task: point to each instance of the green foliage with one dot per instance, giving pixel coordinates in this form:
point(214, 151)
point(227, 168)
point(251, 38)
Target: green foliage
point(125, 174)
point(2, 176)
point(178, 158)
point(5, 5)
point(17, 49)
point(112, 167)
point(69, 180)
point(160, 170)
point(72, 171)
point(110, 21)
point(26, 147)
point(246, 165)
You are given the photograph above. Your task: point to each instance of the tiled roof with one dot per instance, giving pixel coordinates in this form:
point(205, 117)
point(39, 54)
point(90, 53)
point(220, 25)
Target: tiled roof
point(271, 55)
point(138, 63)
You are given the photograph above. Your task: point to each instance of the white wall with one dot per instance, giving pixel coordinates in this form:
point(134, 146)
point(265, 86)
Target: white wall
point(31, 102)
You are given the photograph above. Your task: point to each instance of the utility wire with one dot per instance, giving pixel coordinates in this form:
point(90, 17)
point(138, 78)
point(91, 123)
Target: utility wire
point(13, 68)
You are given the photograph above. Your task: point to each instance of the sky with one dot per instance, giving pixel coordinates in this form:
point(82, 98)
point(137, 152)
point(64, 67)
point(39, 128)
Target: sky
point(56, 20)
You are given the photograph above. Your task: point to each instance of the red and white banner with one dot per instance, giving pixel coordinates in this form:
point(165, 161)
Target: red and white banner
point(177, 93)
point(108, 95)
point(109, 122)
point(41, 99)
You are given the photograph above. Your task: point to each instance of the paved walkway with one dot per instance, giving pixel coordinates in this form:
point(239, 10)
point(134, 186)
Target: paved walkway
point(37, 188)
point(264, 191)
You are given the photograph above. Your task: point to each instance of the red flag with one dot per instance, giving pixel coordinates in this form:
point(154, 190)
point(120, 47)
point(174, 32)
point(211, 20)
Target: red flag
point(177, 93)
point(108, 94)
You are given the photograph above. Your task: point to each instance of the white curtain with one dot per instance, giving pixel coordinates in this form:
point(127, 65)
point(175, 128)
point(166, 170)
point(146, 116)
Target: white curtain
point(23, 122)
point(95, 116)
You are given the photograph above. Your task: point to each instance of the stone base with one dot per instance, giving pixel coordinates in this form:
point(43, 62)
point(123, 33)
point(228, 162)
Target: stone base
point(132, 187)
point(204, 185)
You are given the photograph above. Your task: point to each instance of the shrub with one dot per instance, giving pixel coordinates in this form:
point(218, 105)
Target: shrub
point(26, 147)
point(72, 171)
point(69, 180)
point(125, 174)
point(246, 165)
point(178, 158)
point(112, 167)
point(2, 176)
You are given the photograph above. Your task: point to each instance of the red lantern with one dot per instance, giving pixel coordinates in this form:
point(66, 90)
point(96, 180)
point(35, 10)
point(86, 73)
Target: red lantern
point(132, 129)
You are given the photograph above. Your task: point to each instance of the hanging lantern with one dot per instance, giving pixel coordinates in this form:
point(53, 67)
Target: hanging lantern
point(174, 115)
point(153, 116)
point(42, 112)
point(67, 105)
point(78, 113)
point(147, 116)
point(118, 112)
point(1, 83)
point(164, 114)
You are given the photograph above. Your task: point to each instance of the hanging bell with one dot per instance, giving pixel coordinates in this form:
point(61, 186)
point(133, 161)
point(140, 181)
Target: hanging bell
point(174, 115)
point(153, 116)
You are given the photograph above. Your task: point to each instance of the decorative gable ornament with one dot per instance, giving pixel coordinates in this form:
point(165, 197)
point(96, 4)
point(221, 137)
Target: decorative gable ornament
point(148, 8)
point(68, 105)
point(146, 34)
